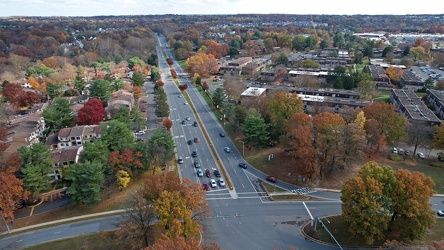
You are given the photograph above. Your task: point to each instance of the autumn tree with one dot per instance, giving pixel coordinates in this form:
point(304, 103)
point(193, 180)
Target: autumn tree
point(367, 89)
point(137, 92)
point(383, 124)
point(255, 129)
point(299, 145)
point(92, 113)
point(201, 63)
point(419, 134)
point(127, 160)
point(417, 52)
point(395, 73)
point(366, 201)
point(58, 115)
point(412, 213)
point(11, 191)
point(26, 99)
point(86, 181)
point(11, 92)
point(37, 162)
point(234, 86)
point(167, 123)
point(205, 86)
point(328, 140)
point(176, 242)
point(183, 87)
point(122, 179)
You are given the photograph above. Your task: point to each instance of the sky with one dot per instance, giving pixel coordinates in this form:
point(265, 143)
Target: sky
point(150, 7)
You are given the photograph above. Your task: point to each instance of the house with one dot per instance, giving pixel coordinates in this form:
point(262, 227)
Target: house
point(379, 76)
point(62, 158)
point(120, 98)
point(407, 103)
point(410, 81)
point(436, 98)
point(75, 136)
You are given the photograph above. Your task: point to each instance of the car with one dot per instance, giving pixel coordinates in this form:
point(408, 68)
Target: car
point(139, 139)
point(221, 182)
point(179, 96)
point(222, 134)
point(180, 159)
point(140, 132)
point(440, 212)
point(407, 152)
point(188, 118)
point(195, 124)
point(185, 103)
point(216, 173)
point(199, 172)
point(194, 154)
point(197, 164)
point(400, 151)
point(190, 142)
point(227, 149)
point(271, 179)
point(441, 156)
point(213, 183)
point(208, 173)
point(394, 150)
point(206, 187)
point(196, 140)
point(243, 165)
point(421, 155)
point(184, 122)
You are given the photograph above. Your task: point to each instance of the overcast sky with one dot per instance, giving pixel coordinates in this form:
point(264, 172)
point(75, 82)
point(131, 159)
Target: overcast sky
point(147, 7)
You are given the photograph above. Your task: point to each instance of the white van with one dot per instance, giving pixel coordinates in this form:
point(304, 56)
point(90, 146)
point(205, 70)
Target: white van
point(180, 160)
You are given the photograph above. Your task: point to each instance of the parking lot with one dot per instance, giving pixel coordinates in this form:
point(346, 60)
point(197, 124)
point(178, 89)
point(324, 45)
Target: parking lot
point(425, 72)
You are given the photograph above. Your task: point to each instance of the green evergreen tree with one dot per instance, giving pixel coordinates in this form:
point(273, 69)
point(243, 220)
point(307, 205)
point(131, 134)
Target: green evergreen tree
point(255, 129)
point(86, 182)
point(58, 115)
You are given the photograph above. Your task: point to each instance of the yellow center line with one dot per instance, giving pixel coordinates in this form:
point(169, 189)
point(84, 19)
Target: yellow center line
point(32, 211)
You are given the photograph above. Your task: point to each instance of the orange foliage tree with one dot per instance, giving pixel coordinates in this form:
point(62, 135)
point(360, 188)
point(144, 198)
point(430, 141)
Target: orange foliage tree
point(394, 73)
point(201, 63)
point(128, 160)
point(167, 124)
point(137, 92)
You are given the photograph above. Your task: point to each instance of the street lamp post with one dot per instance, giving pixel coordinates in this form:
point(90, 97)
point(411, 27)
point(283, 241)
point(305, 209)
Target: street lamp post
point(243, 147)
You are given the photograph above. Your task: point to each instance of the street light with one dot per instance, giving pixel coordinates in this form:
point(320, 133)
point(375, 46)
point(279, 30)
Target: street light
point(243, 147)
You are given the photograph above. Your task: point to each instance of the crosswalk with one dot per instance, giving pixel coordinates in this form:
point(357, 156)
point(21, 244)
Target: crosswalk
point(303, 191)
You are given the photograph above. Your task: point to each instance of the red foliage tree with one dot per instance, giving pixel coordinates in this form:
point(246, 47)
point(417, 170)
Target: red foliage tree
point(137, 91)
point(167, 124)
point(26, 99)
point(183, 87)
point(92, 112)
point(173, 73)
point(11, 191)
point(129, 160)
point(170, 61)
point(160, 83)
point(205, 86)
point(11, 92)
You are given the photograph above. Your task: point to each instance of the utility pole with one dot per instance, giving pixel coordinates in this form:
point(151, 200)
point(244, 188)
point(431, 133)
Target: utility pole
point(243, 147)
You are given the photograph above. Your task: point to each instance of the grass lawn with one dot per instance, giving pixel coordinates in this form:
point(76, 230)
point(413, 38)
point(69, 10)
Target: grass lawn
point(96, 241)
point(337, 227)
point(384, 96)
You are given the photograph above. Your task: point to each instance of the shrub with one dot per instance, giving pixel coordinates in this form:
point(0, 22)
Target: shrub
point(394, 157)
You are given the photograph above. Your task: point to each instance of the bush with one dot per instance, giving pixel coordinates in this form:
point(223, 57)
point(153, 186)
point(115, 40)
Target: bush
point(394, 157)
point(437, 164)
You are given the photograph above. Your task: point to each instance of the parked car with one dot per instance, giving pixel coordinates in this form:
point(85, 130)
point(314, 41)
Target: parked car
point(213, 183)
point(199, 172)
point(139, 139)
point(140, 132)
point(208, 173)
point(206, 187)
point(227, 149)
point(197, 164)
point(195, 124)
point(394, 150)
point(190, 142)
point(194, 154)
point(180, 159)
point(196, 140)
point(222, 134)
point(271, 179)
point(441, 156)
point(440, 213)
point(421, 155)
point(221, 182)
point(216, 173)
point(400, 151)
point(243, 165)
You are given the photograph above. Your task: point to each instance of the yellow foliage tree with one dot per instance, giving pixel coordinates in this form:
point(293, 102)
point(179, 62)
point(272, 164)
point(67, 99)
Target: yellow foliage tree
point(34, 83)
point(123, 179)
point(394, 73)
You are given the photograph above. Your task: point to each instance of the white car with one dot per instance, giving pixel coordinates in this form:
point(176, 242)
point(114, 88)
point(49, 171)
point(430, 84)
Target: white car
point(140, 132)
point(395, 150)
point(213, 183)
point(188, 118)
point(221, 182)
point(421, 155)
point(199, 172)
point(227, 149)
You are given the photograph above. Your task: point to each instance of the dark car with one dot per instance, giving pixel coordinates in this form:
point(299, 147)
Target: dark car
point(216, 173)
point(190, 142)
point(195, 124)
point(197, 164)
point(222, 134)
point(207, 172)
point(194, 154)
point(243, 165)
point(184, 122)
point(206, 187)
point(271, 178)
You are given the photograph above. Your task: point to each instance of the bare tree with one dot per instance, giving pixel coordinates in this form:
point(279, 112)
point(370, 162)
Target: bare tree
point(234, 86)
point(306, 81)
point(419, 134)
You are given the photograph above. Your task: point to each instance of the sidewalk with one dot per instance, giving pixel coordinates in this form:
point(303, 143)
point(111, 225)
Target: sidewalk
point(50, 223)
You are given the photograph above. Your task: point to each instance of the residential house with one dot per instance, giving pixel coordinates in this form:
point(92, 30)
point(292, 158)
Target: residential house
point(379, 76)
point(410, 81)
point(75, 136)
point(62, 158)
point(436, 98)
point(120, 98)
point(407, 103)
